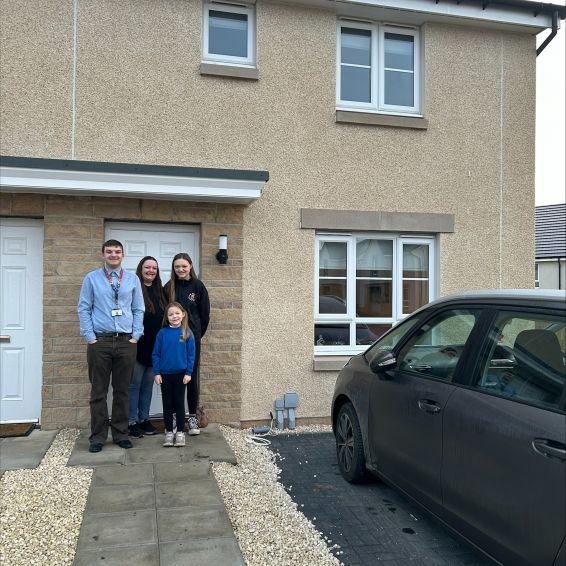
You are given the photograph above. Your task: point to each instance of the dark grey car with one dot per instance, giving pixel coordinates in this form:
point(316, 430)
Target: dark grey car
point(463, 407)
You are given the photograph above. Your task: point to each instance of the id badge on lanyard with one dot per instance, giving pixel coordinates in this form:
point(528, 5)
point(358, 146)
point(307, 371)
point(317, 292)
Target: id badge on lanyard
point(116, 311)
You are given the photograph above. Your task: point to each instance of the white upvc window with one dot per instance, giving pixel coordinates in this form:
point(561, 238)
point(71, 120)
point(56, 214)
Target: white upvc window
point(378, 68)
point(229, 34)
point(365, 283)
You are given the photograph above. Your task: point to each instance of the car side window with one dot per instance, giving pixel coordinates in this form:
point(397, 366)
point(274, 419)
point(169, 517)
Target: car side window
point(391, 339)
point(435, 349)
point(525, 359)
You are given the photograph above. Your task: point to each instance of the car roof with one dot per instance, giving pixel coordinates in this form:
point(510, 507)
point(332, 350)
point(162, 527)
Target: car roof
point(514, 296)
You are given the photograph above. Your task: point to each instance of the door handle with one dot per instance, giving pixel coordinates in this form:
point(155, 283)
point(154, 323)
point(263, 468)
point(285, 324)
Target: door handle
point(5, 338)
point(429, 406)
point(550, 448)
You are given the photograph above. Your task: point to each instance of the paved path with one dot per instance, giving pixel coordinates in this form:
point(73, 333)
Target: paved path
point(373, 523)
point(25, 451)
point(156, 506)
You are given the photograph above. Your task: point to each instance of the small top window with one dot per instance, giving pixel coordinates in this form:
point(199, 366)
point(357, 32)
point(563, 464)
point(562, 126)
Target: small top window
point(229, 34)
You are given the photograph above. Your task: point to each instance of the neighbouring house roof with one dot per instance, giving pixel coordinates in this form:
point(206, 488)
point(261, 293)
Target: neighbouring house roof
point(550, 231)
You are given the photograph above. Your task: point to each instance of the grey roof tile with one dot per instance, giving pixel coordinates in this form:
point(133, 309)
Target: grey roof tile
point(550, 231)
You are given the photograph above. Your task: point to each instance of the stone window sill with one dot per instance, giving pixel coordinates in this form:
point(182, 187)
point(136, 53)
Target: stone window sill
point(374, 119)
point(329, 363)
point(249, 73)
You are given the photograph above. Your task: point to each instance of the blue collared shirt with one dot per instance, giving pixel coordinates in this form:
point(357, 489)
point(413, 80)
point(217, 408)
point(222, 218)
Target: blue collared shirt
point(96, 303)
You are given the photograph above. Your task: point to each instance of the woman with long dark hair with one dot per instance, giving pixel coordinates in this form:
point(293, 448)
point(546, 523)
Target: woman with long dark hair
point(187, 289)
point(141, 387)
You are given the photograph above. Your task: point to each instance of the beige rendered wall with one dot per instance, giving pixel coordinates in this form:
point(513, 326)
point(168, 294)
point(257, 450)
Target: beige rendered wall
point(36, 40)
point(140, 98)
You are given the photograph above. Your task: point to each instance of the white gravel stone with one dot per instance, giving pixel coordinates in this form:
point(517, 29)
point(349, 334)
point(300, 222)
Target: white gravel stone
point(269, 527)
point(41, 510)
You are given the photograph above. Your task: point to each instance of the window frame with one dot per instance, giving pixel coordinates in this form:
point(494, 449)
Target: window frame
point(377, 58)
point(207, 56)
point(350, 317)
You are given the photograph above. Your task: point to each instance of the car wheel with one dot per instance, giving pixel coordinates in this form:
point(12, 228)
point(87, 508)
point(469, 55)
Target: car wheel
point(350, 446)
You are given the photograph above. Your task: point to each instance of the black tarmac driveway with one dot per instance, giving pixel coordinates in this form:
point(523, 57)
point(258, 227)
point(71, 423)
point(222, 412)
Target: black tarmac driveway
point(372, 523)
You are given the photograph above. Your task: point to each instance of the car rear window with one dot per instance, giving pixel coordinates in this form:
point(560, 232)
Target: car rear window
point(525, 359)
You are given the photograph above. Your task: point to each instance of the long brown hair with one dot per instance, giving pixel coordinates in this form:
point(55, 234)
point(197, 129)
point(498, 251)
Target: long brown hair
point(173, 279)
point(185, 331)
point(156, 284)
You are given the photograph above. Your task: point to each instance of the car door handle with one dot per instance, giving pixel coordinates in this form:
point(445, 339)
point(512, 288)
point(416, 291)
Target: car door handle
point(550, 448)
point(429, 406)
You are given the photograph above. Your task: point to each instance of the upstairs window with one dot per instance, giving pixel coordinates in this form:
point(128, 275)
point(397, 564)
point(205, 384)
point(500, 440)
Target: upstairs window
point(229, 34)
point(378, 68)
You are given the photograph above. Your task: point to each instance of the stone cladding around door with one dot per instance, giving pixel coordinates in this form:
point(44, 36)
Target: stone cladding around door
point(74, 232)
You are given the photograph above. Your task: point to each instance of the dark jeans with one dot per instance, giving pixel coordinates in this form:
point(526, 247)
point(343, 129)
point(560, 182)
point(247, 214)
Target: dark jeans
point(141, 390)
point(193, 387)
point(173, 396)
point(110, 356)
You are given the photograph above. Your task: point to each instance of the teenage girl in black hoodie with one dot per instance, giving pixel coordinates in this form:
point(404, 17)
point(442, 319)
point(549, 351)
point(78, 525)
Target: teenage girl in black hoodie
point(185, 288)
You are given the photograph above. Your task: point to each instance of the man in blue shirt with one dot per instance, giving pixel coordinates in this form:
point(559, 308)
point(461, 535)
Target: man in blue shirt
point(111, 308)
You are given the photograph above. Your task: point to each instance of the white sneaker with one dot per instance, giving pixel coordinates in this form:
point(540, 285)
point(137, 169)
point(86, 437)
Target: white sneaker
point(180, 439)
point(168, 439)
point(193, 426)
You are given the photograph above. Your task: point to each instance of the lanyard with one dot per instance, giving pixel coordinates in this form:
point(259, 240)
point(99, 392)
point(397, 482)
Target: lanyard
point(115, 287)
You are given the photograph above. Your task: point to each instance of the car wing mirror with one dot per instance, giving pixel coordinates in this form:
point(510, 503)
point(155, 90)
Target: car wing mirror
point(382, 362)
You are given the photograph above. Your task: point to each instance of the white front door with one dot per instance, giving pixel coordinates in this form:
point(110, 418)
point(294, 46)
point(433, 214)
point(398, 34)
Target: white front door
point(163, 242)
point(21, 319)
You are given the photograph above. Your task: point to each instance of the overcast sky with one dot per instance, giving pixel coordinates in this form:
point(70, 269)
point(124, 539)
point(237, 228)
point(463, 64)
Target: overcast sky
point(550, 150)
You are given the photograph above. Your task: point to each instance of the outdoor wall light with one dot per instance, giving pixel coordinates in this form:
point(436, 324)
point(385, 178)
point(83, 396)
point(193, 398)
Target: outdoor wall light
point(222, 255)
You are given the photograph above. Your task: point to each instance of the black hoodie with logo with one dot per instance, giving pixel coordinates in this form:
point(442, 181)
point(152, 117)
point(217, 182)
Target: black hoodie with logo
point(193, 296)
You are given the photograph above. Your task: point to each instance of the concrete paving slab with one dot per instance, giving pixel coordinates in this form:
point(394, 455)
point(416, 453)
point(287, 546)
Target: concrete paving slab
point(192, 522)
point(217, 551)
point(150, 455)
point(108, 456)
point(103, 530)
point(136, 474)
point(80, 456)
point(146, 555)
point(25, 451)
point(210, 443)
point(197, 493)
point(182, 471)
point(118, 498)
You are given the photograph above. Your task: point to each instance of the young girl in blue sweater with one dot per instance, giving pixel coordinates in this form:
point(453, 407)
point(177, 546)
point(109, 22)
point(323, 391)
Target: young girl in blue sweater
point(173, 360)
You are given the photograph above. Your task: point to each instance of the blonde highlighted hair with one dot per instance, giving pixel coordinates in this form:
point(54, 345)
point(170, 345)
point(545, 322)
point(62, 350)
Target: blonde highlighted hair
point(185, 330)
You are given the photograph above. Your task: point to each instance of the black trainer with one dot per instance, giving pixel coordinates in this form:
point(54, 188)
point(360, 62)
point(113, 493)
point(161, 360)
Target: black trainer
point(95, 447)
point(147, 428)
point(135, 431)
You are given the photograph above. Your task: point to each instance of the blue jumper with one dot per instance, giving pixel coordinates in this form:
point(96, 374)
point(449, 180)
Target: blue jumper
point(172, 356)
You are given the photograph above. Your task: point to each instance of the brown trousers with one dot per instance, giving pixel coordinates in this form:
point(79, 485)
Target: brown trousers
point(110, 357)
